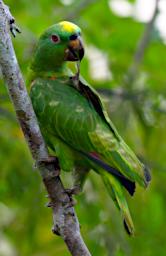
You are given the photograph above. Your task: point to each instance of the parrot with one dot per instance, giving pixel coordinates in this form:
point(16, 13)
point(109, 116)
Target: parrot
point(74, 121)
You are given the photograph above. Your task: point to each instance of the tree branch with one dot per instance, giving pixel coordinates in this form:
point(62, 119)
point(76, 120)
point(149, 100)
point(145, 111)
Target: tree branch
point(143, 44)
point(65, 220)
point(133, 71)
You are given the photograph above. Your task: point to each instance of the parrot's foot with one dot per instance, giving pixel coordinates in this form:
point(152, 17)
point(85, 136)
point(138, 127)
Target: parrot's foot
point(11, 21)
point(13, 28)
point(51, 160)
point(73, 191)
point(69, 204)
point(55, 231)
point(72, 203)
point(50, 204)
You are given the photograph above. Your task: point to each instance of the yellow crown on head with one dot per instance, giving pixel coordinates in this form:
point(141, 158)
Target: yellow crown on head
point(68, 26)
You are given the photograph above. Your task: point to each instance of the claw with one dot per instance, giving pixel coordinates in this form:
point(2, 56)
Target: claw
point(13, 28)
point(72, 203)
point(73, 191)
point(11, 21)
point(66, 204)
point(55, 231)
point(50, 204)
point(51, 160)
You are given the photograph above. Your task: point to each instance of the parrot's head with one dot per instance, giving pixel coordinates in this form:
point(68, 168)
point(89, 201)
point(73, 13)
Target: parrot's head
point(58, 44)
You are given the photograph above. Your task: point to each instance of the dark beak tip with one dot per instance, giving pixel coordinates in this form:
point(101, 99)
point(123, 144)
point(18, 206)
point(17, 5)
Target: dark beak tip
point(81, 53)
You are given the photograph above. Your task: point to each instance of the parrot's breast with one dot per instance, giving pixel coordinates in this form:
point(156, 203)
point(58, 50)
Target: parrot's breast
point(64, 112)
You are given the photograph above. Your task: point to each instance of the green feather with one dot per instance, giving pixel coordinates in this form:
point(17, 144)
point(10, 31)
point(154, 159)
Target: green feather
point(115, 190)
point(74, 121)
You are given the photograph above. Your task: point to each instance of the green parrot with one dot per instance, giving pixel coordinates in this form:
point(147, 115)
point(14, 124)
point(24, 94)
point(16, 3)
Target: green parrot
point(75, 123)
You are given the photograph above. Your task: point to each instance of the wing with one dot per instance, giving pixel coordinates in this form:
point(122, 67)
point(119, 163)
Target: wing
point(113, 149)
point(92, 96)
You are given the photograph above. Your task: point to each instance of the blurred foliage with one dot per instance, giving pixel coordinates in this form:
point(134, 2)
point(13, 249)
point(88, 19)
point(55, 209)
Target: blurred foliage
point(139, 114)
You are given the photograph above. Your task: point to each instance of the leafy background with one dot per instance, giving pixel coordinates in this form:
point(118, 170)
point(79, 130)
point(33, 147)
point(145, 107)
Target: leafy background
point(138, 109)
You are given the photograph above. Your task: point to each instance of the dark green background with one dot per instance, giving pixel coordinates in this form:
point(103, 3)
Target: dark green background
point(139, 114)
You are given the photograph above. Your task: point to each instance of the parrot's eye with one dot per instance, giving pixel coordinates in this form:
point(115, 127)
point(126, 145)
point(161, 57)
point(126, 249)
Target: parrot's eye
point(73, 37)
point(55, 39)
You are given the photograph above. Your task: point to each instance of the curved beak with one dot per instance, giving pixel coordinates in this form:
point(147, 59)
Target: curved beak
point(75, 50)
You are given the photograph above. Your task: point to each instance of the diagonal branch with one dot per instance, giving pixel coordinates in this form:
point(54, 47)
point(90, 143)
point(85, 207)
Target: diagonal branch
point(143, 44)
point(133, 71)
point(65, 220)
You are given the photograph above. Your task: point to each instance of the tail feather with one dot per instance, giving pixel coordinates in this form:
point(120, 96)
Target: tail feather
point(147, 175)
point(118, 154)
point(134, 168)
point(126, 228)
point(128, 184)
point(116, 192)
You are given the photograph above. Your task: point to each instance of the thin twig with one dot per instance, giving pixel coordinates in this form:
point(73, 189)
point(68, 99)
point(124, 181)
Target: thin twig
point(122, 93)
point(141, 49)
point(133, 71)
point(65, 220)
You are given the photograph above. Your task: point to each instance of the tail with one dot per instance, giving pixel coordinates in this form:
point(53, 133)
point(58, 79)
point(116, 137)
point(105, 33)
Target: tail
point(128, 184)
point(115, 190)
point(119, 155)
point(129, 164)
point(114, 182)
